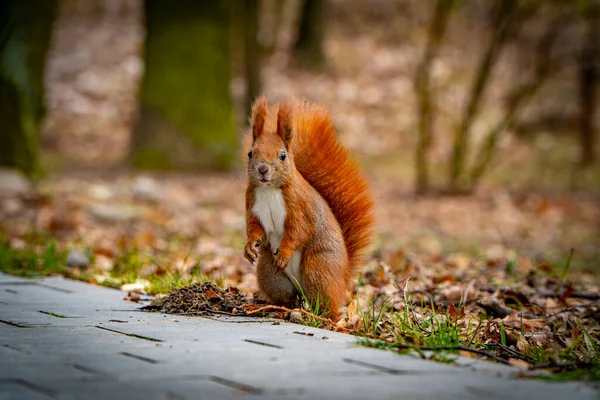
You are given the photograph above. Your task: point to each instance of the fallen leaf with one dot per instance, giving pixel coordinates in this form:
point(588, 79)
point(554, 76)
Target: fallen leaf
point(519, 363)
point(513, 320)
point(132, 296)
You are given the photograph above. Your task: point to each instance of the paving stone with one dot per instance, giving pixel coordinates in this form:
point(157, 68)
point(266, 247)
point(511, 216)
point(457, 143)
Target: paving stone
point(146, 390)
point(23, 390)
point(107, 348)
point(421, 386)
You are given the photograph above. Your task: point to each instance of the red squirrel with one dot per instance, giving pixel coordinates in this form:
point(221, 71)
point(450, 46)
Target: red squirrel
point(309, 212)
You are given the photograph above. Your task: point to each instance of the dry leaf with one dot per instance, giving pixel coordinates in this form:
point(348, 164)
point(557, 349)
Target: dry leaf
point(519, 363)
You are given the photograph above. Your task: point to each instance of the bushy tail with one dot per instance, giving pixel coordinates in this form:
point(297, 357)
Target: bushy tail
point(326, 165)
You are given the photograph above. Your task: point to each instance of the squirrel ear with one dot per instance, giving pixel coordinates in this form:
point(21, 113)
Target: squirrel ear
point(284, 122)
point(259, 114)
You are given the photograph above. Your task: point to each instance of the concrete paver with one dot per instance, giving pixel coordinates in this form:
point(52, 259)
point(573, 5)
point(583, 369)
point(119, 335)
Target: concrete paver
point(106, 348)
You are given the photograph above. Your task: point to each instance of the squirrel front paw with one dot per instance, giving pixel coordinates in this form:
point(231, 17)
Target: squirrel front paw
point(280, 261)
point(251, 251)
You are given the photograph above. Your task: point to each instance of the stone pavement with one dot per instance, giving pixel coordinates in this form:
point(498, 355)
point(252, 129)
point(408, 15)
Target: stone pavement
point(61, 339)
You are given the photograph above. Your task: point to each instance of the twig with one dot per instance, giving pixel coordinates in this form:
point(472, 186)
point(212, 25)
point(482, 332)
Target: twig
point(465, 295)
point(285, 309)
point(211, 311)
point(412, 310)
point(555, 364)
point(458, 347)
point(425, 331)
point(512, 352)
point(494, 307)
point(269, 308)
point(572, 308)
point(576, 295)
point(443, 303)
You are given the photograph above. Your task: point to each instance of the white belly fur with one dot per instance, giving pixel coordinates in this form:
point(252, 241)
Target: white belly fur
point(269, 208)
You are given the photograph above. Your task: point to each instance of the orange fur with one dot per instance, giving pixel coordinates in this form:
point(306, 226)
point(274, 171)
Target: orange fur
point(329, 210)
point(326, 165)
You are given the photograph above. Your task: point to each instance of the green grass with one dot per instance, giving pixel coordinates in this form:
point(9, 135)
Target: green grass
point(173, 280)
point(38, 260)
point(318, 307)
point(372, 318)
point(447, 332)
point(42, 261)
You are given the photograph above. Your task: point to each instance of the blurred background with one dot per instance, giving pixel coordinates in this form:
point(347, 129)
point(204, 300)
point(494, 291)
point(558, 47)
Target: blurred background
point(121, 122)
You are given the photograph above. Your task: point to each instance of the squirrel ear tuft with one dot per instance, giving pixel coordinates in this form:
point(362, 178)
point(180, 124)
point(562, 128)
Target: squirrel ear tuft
point(284, 122)
point(259, 114)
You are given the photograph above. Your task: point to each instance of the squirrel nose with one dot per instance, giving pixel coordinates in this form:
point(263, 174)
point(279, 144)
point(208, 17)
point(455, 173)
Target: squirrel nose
point(263, 168)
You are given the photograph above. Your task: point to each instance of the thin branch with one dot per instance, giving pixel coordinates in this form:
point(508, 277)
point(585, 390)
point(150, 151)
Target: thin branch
point(453, 348)
point(210, 311)
point(285, 309)
point(555, 364)
point(576, 295)
point(510, 351)
point(519, 97)
point(503, 20)
point(572, 308)
point(494, 307)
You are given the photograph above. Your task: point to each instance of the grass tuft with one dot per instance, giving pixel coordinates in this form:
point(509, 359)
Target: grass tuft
point(47, 260)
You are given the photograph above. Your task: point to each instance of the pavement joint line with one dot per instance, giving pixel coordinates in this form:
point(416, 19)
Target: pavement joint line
point(18, 283)
point(379, 368)
point(263, 343)
point(41, 284)
point(55, 288)
point(34, 387)
point(140, 358)
point(53, 314)
point(87, 370)
point(13, 348)
point(236, 385)
point(15, 324)
point(129, 334)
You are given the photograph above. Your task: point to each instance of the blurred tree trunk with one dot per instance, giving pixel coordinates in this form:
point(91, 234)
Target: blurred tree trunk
point(502, 18)
point(518, 98)
point(423, 93)
point(252, 53)
point(25, 30)
point(308, 49)
point(271, 22)
point(186, 117)
point(588, 80)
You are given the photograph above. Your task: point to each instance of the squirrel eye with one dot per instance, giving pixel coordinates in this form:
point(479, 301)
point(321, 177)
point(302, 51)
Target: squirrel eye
point(250, 154)
point(282, 156)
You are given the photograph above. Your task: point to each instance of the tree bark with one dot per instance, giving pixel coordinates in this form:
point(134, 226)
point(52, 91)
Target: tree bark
point(252, 54)
point(25, 29)
point(308, 49)
point(588, 80)
point(423, 93)
point(186, 117)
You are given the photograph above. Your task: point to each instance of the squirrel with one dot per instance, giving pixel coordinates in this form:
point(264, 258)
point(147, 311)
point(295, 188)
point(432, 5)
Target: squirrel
point(309, 212)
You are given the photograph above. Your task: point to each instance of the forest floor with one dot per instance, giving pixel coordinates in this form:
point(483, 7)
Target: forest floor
point(491, 272)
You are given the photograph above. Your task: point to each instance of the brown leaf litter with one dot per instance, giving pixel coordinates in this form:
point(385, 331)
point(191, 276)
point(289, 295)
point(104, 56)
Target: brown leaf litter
point(200, 298)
